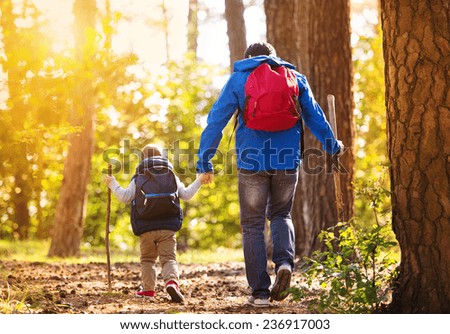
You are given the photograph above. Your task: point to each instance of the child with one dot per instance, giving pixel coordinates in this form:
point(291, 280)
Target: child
point(156, 216)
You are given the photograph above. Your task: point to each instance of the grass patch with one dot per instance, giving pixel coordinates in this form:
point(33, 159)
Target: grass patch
point(219, 255)
point(12, 299)
point(36, 251)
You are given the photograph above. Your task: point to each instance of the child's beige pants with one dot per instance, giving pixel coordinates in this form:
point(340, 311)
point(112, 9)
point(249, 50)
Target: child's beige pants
point(162, 243)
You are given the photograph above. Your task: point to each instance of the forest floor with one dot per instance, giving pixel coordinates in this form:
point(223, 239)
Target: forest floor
point(37, 287)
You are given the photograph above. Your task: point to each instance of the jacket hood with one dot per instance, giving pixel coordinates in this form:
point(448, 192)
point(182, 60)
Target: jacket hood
point(152, 162)
point(249, 64)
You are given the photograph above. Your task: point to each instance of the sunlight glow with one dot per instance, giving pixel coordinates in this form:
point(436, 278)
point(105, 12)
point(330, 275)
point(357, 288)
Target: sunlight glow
point(139, 29)
point(113, 115)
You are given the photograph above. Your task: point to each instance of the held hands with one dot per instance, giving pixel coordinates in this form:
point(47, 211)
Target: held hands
point(206, 178)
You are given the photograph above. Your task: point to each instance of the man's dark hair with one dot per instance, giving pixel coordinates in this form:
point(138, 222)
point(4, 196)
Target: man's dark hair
point(260, 49)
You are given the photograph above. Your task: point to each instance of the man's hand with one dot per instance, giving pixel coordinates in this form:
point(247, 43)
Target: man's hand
point(341, 149)
point(335, 158)
point(206, 178)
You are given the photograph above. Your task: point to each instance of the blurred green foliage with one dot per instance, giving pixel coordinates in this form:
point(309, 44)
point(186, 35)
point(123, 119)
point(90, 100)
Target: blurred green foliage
point(168, 112)
point(32, 126)
point(370, 118)
point(134, 108)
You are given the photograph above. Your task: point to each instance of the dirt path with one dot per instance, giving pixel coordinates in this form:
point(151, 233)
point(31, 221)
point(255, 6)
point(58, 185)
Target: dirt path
point(82, 288)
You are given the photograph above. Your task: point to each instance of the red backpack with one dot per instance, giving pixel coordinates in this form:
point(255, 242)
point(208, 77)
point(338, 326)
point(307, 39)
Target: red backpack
point(271, 99)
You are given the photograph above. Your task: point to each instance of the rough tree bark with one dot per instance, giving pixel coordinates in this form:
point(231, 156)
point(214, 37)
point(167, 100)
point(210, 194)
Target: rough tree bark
point(416, 52)
point(237, 41)
point(71, 207)
point(315, 36)
point(282, 28)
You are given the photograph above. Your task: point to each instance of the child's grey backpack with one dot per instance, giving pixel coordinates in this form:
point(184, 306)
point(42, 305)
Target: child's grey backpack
point(156, 205)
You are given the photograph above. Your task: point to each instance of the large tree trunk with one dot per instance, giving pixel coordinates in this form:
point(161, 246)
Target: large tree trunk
point(327, 62)
point(237, 41)
point(315, 36)
point(15, 74)
point(416, 52)
point(71, 207)
point(282, 28)
point(285, 39)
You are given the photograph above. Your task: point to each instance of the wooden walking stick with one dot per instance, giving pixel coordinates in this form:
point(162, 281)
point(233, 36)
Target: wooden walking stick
point(108, 216)
point(336, 176)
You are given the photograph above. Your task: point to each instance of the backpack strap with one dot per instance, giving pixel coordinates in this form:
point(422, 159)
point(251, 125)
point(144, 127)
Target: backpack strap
point(298, 108)
point(302, 139)
point(236, 115)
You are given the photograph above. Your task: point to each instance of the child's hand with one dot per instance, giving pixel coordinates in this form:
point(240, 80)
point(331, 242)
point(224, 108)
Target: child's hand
point(109, 179)
point(206, 178)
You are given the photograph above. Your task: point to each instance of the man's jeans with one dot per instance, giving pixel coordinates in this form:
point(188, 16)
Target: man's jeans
point(267, 194)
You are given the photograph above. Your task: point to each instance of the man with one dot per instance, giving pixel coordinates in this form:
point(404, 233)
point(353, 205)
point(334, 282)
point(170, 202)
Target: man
point(267, 164)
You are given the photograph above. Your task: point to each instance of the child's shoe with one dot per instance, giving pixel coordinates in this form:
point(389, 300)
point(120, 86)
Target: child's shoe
point(174, 291)
point(150, 295)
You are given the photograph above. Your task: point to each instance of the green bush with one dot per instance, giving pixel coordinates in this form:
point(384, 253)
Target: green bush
point(353, 271)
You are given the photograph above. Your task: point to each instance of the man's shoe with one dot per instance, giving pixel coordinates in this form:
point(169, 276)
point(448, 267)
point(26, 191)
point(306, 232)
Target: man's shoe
point(258, 302)
point(282, 283)
point(174, 291)
point(150, 295)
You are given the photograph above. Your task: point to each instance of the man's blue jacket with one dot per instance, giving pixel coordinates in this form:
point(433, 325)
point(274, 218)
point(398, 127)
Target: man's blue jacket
point(262, 150)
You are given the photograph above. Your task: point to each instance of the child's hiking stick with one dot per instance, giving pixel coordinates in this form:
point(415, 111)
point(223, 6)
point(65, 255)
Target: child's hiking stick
point(336, 176)
point(108, 215)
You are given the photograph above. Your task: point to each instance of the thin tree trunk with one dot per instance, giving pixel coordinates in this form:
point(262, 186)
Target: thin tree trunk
point(193, 27)
point(165, 27)
point(304, 34)
point(416, 52)
point(237, 41)
point(108, 26)
point(71, 207)
point(20, 198)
